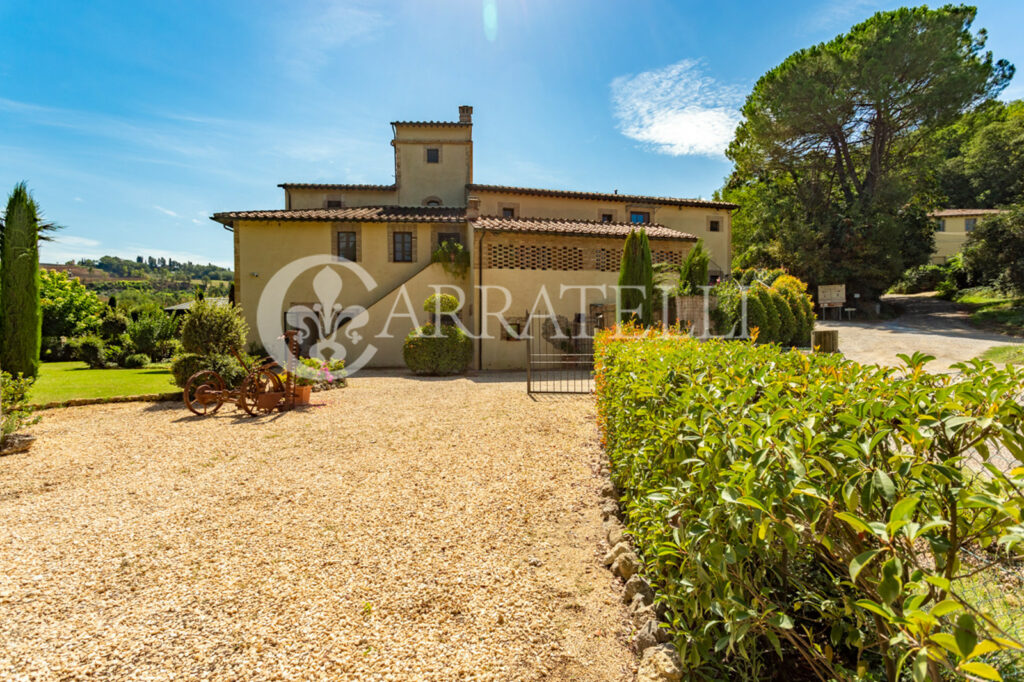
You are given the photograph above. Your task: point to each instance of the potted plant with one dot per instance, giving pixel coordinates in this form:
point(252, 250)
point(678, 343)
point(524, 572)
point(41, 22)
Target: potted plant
point(16, 414)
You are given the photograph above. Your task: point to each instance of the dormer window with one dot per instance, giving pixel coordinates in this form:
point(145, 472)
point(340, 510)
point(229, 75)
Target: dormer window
point(433, 155)
point(334, 203)
point(508, 213)
point(606, 217)
point(432, 202)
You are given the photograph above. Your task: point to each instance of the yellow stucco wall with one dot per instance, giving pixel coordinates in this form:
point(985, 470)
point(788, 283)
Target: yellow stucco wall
point(317, 198)
point(446, 180)
point(951, 241)
point(683, 218)
point(266, 246)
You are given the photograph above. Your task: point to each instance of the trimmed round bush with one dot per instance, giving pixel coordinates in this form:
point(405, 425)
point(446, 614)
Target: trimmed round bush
point(449, 303)
point(135, 361)
point(213, 330)
point(446, 354)
point(184, 366)
point(90, 349)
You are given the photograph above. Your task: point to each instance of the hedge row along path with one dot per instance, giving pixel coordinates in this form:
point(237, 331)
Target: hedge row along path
point(406, 529)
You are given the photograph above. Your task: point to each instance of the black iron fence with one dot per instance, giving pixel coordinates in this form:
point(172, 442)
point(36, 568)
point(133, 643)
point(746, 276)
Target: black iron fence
point(560, 354)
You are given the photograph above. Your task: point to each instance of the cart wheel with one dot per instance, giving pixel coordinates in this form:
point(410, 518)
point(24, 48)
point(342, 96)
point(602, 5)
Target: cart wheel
point(204, 392)
point(261, 392)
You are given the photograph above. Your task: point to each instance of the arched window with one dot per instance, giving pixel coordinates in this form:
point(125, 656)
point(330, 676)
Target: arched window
point(432, 201)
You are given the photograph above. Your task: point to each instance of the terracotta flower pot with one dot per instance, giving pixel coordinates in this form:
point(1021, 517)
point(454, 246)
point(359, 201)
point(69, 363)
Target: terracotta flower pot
point(302, 394)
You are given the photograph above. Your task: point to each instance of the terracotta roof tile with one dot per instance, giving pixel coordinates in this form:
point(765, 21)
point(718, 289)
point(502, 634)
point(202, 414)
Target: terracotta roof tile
point(583, 228)
point(316, 185)
point(432, 124)
point(600, 196)
point(390, 214)
point(952, 212)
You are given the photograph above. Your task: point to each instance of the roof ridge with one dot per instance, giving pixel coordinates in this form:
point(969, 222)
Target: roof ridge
point(588, 221)
point(601, 195)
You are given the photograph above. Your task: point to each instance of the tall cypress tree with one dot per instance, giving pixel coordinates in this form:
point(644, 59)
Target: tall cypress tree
point(636, 273)
point(20, 314)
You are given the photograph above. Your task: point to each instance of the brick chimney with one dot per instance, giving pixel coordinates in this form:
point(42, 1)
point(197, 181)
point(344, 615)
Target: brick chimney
point(465, 114)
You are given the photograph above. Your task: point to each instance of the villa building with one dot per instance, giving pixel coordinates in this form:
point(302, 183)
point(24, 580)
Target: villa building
point(517, 238)
point(953, 226)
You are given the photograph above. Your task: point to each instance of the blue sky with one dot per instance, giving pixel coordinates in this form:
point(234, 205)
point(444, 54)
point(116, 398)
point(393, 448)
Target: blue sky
point(133, 122)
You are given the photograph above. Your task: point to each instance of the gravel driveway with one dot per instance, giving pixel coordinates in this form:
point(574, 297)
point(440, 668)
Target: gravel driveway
point(404, 529)
point(931, 325)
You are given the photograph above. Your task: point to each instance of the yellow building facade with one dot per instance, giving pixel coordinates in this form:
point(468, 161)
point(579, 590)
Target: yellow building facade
point(530, 251)
point(952, 226)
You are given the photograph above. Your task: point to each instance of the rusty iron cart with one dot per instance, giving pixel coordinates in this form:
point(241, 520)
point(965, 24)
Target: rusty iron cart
point(261, 392)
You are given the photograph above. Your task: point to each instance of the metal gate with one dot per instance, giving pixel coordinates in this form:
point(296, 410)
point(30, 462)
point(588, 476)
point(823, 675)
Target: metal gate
point(561, 365)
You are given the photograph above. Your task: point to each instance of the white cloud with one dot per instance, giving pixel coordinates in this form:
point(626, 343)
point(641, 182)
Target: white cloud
point(72, 240)
point(677, 110)
point(166, 211)
point(314, 34)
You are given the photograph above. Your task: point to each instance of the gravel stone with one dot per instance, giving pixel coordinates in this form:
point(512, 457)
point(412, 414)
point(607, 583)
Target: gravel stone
point(660, 664)
point(610, 509)
point(615, 534)
point(379, 534)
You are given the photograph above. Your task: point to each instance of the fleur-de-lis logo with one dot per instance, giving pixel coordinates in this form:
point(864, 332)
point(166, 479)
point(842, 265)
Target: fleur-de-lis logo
point(320, 323)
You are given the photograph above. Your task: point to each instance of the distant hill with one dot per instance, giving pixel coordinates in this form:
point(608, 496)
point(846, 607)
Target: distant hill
point(86, 274)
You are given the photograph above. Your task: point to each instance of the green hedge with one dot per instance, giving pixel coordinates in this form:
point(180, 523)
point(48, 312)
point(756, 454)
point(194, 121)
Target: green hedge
point(449, 352)
point(184, 366)
point(806, 514)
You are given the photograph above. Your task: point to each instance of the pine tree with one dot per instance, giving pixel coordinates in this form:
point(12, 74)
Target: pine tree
point(20, 313)
point(636, 277)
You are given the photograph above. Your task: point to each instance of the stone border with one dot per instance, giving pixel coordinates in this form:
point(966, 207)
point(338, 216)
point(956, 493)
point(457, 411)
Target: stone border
point(145, 398)
point(659, 660)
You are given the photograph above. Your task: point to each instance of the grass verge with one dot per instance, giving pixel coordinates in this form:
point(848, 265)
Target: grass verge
point(994, 310)
point(63, 381)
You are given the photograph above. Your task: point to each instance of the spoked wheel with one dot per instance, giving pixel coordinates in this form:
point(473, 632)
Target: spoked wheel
point(261, 393)
point(204, 392)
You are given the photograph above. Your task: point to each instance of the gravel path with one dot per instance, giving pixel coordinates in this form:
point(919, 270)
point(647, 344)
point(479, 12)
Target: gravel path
point(402, 530)
point(929, 324)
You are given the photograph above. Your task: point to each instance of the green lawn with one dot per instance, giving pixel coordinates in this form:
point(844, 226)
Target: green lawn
point(1010, 355)
point(60, 381)
point(990, 308)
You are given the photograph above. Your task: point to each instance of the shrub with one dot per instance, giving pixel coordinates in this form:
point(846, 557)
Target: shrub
point(448, 353)
point(693, 273)
point(787, 321)
point(802, 507)
point(113, 324)
point(69, 310)
point(772, 323)
point(15, 412)
point(135, 361)
point(167, 348)
point(448, 303)
point(213, 330)
point(919, 279)
point(90, 349)
point(184, 366)
point(145, 334)
point(994, 253)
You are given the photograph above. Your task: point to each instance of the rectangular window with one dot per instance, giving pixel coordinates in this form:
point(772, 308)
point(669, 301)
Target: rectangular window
point(714, 225)
point(453, 237)
point(969, 224)
point(606, 217)
point(639, 217)
point(347, 246)
point(508, 213)
point(402, 247)
point(433, 155)
point(334, 203)
point(942, 225)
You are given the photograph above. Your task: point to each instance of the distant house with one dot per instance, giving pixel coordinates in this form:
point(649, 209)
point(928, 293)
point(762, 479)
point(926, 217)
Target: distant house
point(521, 239)
point(954, 224)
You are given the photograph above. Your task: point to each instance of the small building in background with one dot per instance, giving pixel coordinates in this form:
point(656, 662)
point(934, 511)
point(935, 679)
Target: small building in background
point(954, 224)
